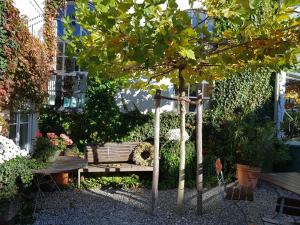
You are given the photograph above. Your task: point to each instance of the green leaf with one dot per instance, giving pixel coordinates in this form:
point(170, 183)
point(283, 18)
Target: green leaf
point(187, 53)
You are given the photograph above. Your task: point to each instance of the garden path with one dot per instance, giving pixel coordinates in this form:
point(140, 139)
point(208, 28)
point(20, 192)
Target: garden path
point(130, 207)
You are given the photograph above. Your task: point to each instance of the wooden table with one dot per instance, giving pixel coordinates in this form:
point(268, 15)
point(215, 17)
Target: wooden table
point(287, 180)
point(63, 164)
point(60, 165)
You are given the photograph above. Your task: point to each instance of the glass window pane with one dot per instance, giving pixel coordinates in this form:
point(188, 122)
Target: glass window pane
point(58, 84)
point(193, 90)
point(24, 118)
point(73, 103)
point(83, 84)
point(51, 98)
point(60, 28)
point(13, 118)
point(71, 10)
point(69, 85)
point(67, 102)
point(70, 65)
point(60, 48)
point(13, 132)
point(81, 101)
point(23, 143)
point(59, 63)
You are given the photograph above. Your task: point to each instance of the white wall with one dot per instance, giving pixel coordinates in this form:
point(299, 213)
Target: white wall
point(144, 101)
point(33, 10)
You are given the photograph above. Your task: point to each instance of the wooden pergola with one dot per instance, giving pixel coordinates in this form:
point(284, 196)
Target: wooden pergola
point(199, 173)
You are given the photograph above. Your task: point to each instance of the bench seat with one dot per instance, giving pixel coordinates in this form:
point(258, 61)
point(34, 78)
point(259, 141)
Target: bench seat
point(116, 167)
point(111, 158)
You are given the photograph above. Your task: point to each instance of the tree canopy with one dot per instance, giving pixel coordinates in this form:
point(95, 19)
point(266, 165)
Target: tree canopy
point(144, 41)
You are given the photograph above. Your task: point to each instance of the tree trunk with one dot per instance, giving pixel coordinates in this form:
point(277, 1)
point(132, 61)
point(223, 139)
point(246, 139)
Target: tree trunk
point(155, 174)
point(199, 179)
point(180, 193)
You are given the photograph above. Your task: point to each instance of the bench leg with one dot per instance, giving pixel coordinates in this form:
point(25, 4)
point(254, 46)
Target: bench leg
point(78, 179)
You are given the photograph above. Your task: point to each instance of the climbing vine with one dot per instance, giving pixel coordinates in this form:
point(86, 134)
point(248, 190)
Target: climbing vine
point(245, 93)
point(3, 39)
point(24, 79)
point(51, 9)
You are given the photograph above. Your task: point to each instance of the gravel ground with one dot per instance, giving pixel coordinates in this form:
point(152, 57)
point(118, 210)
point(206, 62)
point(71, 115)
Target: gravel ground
point(113, 207)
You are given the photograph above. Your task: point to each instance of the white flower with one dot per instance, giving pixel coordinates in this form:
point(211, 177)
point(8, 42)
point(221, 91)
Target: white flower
point(9, 150)
point(174, 134)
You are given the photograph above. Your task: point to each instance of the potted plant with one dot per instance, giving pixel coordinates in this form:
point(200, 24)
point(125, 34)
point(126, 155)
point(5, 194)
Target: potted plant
point(49, 147)
point(257, 141)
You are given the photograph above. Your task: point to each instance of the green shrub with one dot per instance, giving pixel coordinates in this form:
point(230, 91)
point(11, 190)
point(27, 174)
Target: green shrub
point(124, 182)
point(169, 164)
point(16, 174)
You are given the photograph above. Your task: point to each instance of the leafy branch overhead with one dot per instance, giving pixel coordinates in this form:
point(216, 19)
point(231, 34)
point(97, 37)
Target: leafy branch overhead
point(147, 40)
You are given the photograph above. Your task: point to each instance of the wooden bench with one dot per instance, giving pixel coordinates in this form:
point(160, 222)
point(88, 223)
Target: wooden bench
point(287, 206)
point(112, 157)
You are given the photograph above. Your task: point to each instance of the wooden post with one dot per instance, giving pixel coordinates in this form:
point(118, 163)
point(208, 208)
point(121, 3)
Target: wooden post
point(180, 193)
point(155, 174)
point(199, 179)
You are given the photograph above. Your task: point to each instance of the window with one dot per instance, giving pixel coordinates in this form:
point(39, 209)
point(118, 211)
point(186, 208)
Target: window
point(20, 129)
point(191, 91)
point(66, 89)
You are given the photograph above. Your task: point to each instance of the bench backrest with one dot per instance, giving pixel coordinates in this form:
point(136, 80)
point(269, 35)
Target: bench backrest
point(110, 152)
point(288, 206)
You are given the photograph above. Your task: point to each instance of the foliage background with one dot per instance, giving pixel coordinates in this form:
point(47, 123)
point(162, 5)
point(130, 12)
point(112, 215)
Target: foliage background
point(248, 94)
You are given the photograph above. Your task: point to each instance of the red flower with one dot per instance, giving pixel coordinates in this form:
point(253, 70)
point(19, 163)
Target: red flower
point(38, 134)
point(51, 135)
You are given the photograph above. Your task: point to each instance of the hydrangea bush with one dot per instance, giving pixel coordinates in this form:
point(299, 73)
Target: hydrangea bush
point(9, 150)
point(174, 135)
point(48, 145)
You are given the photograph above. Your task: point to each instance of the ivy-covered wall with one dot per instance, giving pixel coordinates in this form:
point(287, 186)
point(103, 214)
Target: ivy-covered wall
point(3, 39)
point(250, 91)
point(24, 64)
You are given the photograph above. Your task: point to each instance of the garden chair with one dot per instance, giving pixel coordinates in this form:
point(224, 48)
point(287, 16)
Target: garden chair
point(231, 195)
point(284, 206)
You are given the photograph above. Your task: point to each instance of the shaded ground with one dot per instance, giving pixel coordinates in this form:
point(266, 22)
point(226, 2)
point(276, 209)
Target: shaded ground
point(131, 207)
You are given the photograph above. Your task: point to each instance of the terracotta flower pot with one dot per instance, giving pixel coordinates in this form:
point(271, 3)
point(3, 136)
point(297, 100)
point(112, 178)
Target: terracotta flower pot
point(62, 179)
point(247, 176)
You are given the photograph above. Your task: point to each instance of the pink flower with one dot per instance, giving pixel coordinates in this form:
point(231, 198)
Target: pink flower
point(67, 140)
point(38, 134)
point(51, 135)
point(63, 136)
point(54, 142)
